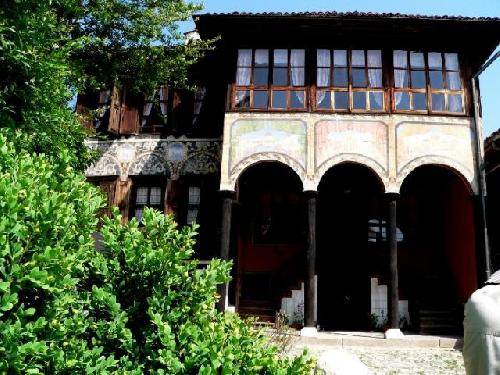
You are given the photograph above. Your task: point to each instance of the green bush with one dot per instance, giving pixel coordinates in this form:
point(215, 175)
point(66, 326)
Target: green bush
point(141, 306)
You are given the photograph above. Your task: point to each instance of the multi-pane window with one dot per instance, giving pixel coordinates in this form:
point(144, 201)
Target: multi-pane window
point(193, 204)
point(270, 79)
point(349, 80)
point(377, 231)
point(154, 110)
point(147, 196)
point(427, 82)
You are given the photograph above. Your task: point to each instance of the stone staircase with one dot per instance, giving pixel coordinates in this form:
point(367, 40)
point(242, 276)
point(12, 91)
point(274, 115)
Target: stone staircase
point(440, 322)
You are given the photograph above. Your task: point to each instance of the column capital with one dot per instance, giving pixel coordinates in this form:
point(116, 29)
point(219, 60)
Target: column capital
point(310, 193)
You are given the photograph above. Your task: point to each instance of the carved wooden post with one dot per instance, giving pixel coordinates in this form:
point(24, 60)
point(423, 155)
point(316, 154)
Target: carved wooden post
point(122, 197)
point(309, 292)
point(225, 239)
point(392, 243)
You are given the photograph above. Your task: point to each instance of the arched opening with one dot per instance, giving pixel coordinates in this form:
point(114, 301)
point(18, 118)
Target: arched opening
point(270, 239)
point(351, 248)
point(437, 259)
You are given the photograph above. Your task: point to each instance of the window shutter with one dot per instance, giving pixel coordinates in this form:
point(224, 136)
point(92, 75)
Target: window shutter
point(115, 110)
point(182, 109)
point(129, 123)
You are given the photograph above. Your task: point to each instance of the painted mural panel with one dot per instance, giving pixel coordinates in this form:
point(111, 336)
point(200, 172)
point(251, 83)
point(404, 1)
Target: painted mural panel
point(336, 137)
point(448, 141)
point(250, 137)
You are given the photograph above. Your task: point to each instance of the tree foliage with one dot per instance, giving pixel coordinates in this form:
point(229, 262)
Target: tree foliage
point(51, 49)
point(140, 306)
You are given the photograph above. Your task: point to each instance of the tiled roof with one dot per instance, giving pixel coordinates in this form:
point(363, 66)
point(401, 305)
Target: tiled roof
point(355, 14)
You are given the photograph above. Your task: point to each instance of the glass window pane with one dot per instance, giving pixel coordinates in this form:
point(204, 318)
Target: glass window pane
point(358, 78)
point(358, 57)
point(323, 77)
point(401, 78)
point(260, 76)
point(297, 57)
point(451, 61)
point(192, 215)
point(436, 79)
point(376, 100)
point(455, 103)
point(438, 102)
point(435, 61)
point(417, 60)
point(374, 58)
point(260, 99)
point(242, 99)
point(297, 99)
point(341, 100)
point(194, 195)
point(359, 100)
point(138, 214)
point(340, 77)
point(155, 196)
point(279, 99)
point(280, 76)
point(419, 101)
point(417, 79)
point(453, 81)
point(323, 99)
point(243, 76)
point(280, 57)
point(142, 195)
point(297, 76)
point(375, 77)
point(402, 100)
point(340, 57)
point(400, 59)
point(261, 57)
point(323, 58)
point(244, 57)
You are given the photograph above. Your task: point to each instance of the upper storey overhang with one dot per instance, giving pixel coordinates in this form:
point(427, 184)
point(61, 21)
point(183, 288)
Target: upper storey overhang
point(476, 37)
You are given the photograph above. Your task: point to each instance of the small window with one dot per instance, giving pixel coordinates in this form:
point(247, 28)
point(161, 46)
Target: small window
point(193, 204)
point(154, 111)
point(147, 196)
point(377, 231)
point(270, 79)
point(349, 80)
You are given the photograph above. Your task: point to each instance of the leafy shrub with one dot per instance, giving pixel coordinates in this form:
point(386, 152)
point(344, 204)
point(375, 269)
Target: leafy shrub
point(141, 306)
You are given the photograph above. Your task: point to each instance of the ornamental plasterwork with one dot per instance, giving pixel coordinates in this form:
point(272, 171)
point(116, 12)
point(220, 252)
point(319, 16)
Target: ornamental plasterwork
point(268, 156)
point(462, 171)
point(353, 158)
point(154, 156)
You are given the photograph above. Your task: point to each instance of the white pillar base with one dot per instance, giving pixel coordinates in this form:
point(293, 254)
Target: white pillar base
point(309, 332)
point(394, 333)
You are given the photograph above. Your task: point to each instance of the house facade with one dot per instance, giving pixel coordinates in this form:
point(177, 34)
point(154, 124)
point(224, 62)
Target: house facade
point(334, 157)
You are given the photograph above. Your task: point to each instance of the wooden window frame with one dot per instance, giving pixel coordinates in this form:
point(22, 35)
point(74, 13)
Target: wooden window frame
point(428, 90)
point(350, 89)
point(269, 88)
point(160, 182)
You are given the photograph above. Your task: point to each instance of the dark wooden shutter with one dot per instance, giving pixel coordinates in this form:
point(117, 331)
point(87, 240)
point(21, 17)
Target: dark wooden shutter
point(182, 110)
point(129, 123)
point(115, 110)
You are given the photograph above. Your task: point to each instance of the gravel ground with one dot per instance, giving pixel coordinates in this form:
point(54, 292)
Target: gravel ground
point(411, 361)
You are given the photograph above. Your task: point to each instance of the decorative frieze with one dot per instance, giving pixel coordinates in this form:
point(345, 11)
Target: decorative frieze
point(155, 156)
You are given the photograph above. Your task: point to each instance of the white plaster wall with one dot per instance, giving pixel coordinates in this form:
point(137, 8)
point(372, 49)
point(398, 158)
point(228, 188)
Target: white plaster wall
point(391, 145)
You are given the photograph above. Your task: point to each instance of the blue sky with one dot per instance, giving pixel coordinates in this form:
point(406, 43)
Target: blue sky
point(490, 80)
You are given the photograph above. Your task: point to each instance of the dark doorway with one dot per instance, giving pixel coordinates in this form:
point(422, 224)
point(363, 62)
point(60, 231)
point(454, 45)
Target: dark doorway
point(271, 233)
point(437, 261)
point(349, 198)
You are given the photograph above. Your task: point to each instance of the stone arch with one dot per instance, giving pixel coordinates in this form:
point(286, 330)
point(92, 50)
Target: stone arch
point(107, 165)
point(263, 157)
point(370, 163)
point(200, 163)
point(149, 163)
point(462, 172)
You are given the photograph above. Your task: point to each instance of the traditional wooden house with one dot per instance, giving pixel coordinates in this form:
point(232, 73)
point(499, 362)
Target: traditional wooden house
point(345, 147)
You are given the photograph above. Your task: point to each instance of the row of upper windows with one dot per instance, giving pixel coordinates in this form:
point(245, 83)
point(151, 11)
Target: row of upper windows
point(348, 80)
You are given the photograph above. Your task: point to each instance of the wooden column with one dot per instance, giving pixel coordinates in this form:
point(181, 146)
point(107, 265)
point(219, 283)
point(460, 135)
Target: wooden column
point(393, 262)
point(122, 197)
point(225, 239)
point(309, 301)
